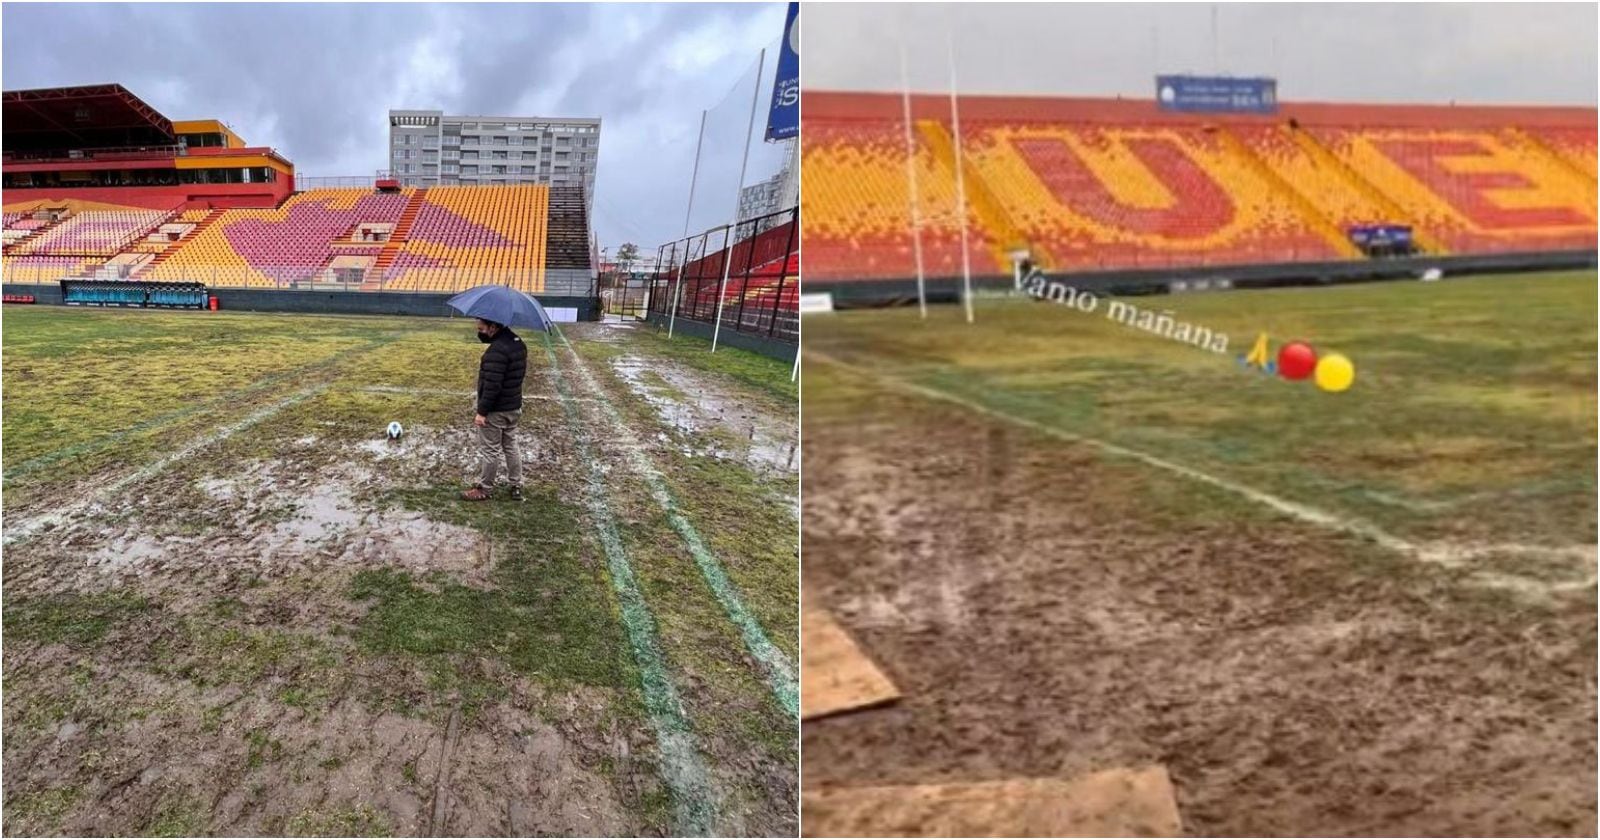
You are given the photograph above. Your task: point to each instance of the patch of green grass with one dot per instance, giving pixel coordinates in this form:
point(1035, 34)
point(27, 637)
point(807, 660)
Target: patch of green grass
point(549, 614)
point(71, 619)
point(263, 748)
point(358, 821)
point(180, 818)
point(40, 812)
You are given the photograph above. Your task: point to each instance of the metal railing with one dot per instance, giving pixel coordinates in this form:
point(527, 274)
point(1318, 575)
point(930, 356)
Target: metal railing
point(759, 258)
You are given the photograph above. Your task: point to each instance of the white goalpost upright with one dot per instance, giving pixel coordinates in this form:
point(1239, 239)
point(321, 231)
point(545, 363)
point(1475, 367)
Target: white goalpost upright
point(727, 259)
point(911, 178)
point(961, 186)
point(677, 288)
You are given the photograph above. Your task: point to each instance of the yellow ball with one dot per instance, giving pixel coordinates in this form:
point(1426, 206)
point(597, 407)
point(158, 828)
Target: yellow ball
point(1335, 373)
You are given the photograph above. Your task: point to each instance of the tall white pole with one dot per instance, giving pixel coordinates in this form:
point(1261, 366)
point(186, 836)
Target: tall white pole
point(727, 261)
point(961, 188)
point(677, 288)
point(911, 178)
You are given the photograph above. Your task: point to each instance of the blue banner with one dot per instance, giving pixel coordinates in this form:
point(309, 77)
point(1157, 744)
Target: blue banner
point(783, 121)
point(1217, 94)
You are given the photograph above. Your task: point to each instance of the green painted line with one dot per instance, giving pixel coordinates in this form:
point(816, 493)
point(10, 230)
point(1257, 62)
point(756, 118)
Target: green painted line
point(681, 767)
point(779, 670)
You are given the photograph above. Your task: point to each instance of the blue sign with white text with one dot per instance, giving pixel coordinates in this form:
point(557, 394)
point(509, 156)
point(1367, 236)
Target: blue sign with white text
point(1217, 94)
point(783, 121)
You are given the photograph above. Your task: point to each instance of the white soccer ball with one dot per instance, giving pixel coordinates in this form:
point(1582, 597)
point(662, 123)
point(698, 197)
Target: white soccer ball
point(394, 430)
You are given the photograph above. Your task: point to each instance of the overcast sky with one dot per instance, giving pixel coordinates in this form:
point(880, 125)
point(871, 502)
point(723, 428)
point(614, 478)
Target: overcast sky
point(316, 81)
point(1485, 53)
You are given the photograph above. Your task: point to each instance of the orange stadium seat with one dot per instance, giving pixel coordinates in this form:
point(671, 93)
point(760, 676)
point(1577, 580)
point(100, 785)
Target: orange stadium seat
point(1088, 184)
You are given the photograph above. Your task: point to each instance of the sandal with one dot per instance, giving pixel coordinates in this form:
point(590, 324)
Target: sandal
point(475, 494)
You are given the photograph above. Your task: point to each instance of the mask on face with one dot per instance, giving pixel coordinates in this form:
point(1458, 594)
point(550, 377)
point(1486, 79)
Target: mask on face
point(485, 338)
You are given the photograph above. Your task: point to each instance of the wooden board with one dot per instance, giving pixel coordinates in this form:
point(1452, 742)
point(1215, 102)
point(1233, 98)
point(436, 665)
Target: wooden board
point(1114, 803)
point(835, 676)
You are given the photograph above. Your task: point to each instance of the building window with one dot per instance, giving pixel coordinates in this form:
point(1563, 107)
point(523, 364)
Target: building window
point(430, 142)
point(469, 126)
point(452, 139)
point(530, 170)
point(469, 141)
point(499, 155)
point(469, 170)
point(451, 169)
point(452, 154)
point(562, 155)
point(515, 141)
point(469, 155)
point(430, 155)
point(499, 170)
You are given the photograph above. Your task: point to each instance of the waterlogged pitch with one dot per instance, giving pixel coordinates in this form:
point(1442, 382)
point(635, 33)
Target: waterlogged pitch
point(1074, 545)
point(234, 604)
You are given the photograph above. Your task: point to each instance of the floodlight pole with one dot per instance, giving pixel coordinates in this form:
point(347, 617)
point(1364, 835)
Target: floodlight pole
point(961, 187)
point(677, 288)
point(911, 177)
point(727, 261)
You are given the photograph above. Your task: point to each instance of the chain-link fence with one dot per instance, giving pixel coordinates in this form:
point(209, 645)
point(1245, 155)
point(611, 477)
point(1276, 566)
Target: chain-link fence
point(758, 259)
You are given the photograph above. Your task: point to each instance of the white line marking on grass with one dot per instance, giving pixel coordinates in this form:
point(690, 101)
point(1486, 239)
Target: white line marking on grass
point(779, 670)
point(1446, 554)
point(681, 766)
point(28, 527)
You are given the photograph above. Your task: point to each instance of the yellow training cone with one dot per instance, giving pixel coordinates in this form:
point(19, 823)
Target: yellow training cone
point(1335, 373)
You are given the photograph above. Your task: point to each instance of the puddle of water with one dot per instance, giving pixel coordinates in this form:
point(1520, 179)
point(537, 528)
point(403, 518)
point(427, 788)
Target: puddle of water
point(324, 512)
point(123, 553)
point(696, 414)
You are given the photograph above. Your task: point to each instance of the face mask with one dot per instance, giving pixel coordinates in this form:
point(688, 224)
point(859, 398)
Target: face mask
point(485, 338)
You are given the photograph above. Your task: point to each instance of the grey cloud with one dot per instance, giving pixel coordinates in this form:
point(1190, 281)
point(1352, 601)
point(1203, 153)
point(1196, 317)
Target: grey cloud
point(1530, 53)
point(316, 80)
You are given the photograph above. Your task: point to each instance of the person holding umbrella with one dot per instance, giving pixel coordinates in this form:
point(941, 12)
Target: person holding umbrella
point(500, 375)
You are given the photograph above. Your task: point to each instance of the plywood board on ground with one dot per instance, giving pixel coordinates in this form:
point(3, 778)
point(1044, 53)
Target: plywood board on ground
point(1113, 803)
point(835, 675)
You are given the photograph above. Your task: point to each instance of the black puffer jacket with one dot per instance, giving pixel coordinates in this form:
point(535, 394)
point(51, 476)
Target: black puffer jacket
point(500, 373)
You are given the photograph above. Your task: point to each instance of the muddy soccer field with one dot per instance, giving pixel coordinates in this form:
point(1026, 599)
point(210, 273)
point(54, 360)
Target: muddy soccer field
point(1075, 546)
point(233, 607)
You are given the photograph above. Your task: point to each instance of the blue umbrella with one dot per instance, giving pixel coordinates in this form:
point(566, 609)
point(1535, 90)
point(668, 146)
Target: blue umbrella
point(502, 305)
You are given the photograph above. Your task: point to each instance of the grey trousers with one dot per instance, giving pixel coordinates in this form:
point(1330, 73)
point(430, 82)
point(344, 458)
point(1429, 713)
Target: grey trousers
point(497, 441)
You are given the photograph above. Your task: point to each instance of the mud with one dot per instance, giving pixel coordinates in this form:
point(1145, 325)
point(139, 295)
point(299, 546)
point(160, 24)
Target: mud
point(1040, 623)
point(714, 423)
point(238, 761)
point(145, 749)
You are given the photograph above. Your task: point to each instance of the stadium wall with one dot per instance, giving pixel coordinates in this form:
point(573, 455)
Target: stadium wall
point(847, 293)
point(330, 303)
point(191, 196)
point(769, 347)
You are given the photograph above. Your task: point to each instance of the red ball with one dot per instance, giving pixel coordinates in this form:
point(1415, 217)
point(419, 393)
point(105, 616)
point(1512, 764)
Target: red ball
point(1296, 360)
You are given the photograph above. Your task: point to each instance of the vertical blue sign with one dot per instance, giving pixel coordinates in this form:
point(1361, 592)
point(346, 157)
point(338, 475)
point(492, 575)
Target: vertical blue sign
point(783, 121)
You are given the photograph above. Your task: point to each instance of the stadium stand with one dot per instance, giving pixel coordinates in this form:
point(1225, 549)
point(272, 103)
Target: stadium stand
point(133, 195)
point(1098, 183)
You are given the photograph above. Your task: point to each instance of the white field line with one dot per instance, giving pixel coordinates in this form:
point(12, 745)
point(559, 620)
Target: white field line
point(780, 671)
point(681, 767)
point(28, 527)
point(446, 392)
point(1449, 555)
